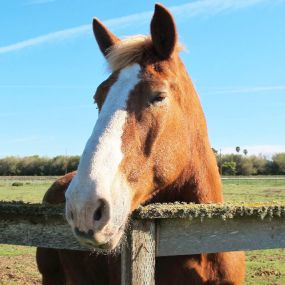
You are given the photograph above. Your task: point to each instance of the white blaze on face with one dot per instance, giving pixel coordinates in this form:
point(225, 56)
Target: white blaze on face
point(98, 175)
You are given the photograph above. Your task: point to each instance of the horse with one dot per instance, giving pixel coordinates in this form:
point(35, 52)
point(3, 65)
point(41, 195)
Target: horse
point(150, 144)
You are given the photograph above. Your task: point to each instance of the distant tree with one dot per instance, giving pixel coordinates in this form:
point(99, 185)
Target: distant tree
point(245, 152)
point(58, 165)
point(9, 165)
point(73, 162)
point(271, 168)
point(237, 149)
point(229, 168)
point(214, 151)
point(246, 167)
point(237, 158)
point(279, 162)
point(260, 164)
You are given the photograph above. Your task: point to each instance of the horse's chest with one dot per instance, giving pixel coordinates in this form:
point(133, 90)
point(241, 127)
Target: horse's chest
point(86, 269)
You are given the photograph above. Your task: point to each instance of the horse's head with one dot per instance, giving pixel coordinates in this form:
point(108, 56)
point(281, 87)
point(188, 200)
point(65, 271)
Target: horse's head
point(149, 119)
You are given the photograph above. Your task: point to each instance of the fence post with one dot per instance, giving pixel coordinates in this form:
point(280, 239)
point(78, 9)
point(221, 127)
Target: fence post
point(138, 254)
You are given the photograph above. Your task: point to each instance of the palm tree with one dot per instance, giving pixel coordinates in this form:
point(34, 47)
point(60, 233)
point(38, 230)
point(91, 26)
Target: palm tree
point(237, 149)
point(245, 151)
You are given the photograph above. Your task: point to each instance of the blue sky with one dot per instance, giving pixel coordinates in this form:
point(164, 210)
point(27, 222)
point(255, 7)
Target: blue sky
point(50, 67)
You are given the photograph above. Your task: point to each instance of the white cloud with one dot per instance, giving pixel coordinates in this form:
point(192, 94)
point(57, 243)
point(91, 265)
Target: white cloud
point(181, 12)
point(267, 150)
point(212, 7)
point(54, 109)
point(60, 35)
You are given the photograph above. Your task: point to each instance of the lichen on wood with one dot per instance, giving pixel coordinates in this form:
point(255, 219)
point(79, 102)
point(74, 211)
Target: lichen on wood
point(224, 211)
point(50, 213)
point(36, 213)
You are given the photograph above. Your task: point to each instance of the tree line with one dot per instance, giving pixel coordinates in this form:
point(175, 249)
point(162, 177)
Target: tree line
point(229, 164)
point(237, 164)
point(38, 165)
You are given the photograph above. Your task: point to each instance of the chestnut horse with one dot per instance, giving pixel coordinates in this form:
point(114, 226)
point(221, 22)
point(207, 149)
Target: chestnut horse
point(149, 144)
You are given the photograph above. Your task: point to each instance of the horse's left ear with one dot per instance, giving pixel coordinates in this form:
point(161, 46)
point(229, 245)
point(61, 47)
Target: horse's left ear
point(163, 32)
point(105, 38)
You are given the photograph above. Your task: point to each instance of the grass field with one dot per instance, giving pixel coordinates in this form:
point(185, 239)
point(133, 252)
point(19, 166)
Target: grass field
point(266, 267)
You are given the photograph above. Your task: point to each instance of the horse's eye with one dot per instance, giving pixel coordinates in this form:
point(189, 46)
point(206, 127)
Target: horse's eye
point(156, 98)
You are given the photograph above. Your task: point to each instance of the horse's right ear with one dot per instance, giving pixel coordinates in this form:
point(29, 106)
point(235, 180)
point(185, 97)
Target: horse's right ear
point(104, 37)
point(163, 32)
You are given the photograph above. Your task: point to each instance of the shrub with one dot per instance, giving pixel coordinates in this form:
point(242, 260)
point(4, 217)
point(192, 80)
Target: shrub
point(17, 184)
point(279, 162)
point(229, 168)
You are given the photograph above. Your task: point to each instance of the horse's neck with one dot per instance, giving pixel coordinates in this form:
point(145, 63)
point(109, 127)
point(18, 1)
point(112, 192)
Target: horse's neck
point(199, 183)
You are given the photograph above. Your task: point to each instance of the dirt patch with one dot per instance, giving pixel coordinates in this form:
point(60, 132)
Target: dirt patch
point(20, 270)
point(267, 273)
point(273, 190)
point(252, 258)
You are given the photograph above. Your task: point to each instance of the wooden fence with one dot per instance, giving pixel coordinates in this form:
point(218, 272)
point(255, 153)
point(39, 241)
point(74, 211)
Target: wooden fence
point(156, 230)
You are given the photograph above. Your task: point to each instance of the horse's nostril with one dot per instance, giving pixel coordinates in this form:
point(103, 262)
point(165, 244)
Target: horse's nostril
point(83, 234)
point(99, 211)
point(77, 231)
point(90, 233)
point(71, 215)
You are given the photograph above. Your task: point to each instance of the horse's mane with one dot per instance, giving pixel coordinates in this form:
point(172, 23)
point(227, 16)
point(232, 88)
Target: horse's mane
point(130, 50)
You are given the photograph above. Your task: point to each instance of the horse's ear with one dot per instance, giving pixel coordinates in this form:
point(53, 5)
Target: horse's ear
point(104, 37)
point(163, 32)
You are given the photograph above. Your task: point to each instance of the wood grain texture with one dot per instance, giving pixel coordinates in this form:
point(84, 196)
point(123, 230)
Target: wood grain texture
point(182, 236)
point(138, 254)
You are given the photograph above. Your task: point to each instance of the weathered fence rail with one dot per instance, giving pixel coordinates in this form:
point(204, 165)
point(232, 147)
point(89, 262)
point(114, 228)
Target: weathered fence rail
point(156, 230)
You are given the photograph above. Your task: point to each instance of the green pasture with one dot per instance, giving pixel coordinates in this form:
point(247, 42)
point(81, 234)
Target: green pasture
point(255, 190)
point(263, 267)
point(32, 190)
